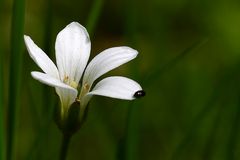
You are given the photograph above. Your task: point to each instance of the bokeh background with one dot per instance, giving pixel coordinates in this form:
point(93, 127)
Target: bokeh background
point(188, 64)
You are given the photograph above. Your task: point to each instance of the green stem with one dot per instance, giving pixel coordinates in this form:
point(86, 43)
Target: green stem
point(64, 146)
point(17, 27)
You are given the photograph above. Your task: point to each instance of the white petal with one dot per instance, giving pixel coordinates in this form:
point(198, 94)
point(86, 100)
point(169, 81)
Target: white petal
point(116, 87)
point(67, 97)
point(40, 58)
point(107, 60)
point(66, 93)
point(72, 51)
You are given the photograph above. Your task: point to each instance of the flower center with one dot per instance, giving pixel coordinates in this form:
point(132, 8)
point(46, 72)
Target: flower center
point(69, 82)
point(73, 84)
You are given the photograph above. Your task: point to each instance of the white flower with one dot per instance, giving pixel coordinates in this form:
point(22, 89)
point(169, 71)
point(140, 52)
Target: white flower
point(72, 53)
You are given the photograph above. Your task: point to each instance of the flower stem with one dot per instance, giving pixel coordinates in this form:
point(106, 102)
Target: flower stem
point(64, 146)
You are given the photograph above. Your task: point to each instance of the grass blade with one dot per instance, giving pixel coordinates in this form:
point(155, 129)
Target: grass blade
point(1, 97)
point(209, 106)
point(94, 15)
point(47, 92)
point(209, 146)
point(156, 74)
point(1, 115)
point(1, 108)
point(17, 27)
point(234, 132)
point(129, 150)
point(131, 133)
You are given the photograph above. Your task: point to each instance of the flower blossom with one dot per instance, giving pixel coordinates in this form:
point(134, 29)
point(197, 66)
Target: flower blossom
point(72, 49)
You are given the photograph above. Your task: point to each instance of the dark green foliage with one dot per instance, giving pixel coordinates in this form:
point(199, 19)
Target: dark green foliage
point(190, 111)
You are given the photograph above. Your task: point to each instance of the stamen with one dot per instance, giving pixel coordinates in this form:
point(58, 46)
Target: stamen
point(86, 86)
point(66, 78)
point(85, 89)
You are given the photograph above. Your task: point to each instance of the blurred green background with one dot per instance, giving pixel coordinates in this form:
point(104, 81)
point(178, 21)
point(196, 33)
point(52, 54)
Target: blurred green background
point(188, 64)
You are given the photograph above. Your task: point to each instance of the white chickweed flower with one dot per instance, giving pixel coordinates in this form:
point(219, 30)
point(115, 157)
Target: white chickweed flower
point(72, 49)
